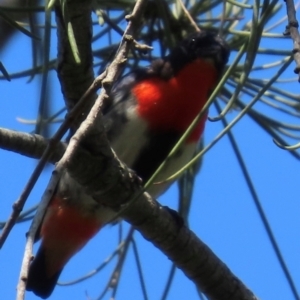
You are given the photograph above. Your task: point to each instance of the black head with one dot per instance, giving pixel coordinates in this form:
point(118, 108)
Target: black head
point(200, 45)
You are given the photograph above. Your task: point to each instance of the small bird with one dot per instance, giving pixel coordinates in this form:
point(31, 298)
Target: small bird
point(150, 109)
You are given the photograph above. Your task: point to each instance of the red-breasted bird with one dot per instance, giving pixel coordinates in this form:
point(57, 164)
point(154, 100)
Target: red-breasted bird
point(150, 109)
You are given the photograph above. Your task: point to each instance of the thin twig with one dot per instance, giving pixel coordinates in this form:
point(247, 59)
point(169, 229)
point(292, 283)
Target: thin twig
point(260, 209)
point(292, 29)
point(139, 267)
point(32, 233)
point(97, 269)
point(187, 13)
point(169, 282)
point(116, 274)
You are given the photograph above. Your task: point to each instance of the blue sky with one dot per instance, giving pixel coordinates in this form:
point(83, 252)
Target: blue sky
point(222, 215)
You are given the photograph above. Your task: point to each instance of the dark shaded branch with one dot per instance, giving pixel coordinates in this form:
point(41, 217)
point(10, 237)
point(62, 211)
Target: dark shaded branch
point(31, 145)
point(75, 77)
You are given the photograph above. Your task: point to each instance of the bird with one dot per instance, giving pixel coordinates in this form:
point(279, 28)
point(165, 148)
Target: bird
point(148, 111)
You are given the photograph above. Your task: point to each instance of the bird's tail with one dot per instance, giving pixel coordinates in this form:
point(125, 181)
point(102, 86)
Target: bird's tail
point(39, 282)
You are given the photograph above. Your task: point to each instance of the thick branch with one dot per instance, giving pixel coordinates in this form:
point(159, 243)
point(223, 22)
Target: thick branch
point(31, 145)
point(75, 77)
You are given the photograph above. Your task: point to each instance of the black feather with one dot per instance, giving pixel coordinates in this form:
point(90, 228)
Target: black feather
point(38, 280)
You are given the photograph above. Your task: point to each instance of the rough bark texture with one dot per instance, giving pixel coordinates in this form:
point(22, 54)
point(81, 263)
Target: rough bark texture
point(75, 78)
point(31, 145)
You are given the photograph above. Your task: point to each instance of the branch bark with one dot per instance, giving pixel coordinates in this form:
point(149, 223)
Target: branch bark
point(31, 145)
point(75, 77)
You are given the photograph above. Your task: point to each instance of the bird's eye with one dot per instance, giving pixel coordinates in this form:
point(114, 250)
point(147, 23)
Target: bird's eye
point(192, 43)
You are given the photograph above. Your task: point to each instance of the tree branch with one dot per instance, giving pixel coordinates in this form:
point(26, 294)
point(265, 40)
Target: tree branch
point(31, 145)
point(75, 77)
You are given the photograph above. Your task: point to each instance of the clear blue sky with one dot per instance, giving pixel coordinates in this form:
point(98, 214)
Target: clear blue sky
point(222, 215)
